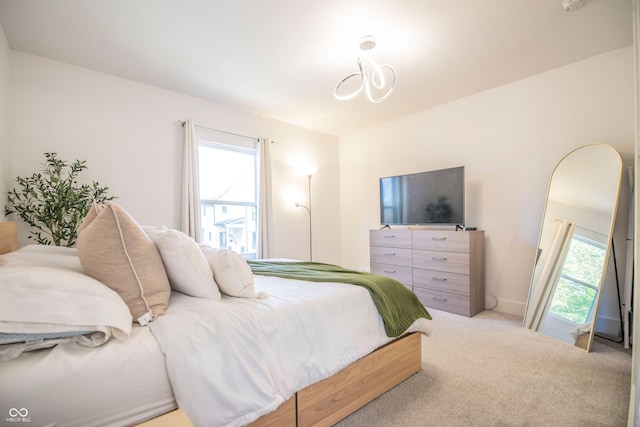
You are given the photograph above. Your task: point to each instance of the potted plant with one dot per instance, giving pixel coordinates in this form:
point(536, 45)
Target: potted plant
point(53, 203)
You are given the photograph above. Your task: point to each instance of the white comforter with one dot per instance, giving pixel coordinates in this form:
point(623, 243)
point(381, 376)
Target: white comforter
point(234, 360)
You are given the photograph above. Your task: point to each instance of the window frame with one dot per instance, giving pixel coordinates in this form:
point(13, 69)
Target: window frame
point(575, 282)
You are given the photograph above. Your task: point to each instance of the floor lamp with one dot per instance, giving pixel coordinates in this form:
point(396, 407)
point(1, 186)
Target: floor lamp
point(309, 171)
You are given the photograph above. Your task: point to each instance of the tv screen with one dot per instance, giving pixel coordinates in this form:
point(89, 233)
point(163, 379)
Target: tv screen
point(433, 197)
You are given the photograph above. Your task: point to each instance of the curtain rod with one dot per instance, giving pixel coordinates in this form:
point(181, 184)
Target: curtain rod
point(253, 138)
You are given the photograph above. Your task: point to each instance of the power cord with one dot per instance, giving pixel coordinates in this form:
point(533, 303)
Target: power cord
point(495, 298)
point(615, 267)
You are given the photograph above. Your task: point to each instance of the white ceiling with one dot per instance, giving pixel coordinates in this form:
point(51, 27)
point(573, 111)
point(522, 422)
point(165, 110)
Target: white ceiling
point(282, 58)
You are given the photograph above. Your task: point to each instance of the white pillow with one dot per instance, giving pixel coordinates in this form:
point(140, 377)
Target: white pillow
point(44, 255)
point(186, 265)
point(43, 305)
point(154, 231)
point(231, 272)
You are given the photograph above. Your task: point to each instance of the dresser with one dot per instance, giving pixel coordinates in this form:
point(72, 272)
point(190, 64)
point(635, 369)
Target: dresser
point(445, 268)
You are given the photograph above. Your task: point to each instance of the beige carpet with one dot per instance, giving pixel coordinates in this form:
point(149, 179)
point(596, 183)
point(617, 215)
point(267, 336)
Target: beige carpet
point(489, 371)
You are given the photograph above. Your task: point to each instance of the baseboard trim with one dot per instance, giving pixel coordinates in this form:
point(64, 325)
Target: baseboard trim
point(608, 326)
point(514, 308)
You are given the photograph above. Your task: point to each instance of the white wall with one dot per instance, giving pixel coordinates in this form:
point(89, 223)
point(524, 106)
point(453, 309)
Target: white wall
point(4, 108)
point(509, 140)
point(130, 137)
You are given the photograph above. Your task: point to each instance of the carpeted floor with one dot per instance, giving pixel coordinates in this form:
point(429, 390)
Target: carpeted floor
point(489, 371)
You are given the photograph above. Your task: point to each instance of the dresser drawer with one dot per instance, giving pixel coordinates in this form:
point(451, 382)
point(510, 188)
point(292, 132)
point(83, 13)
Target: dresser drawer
point(452, 262)
point(435, 240)
point(452, 303)
point(390, 238)
point(395, 256)
point(441, 281)
point(401, 274)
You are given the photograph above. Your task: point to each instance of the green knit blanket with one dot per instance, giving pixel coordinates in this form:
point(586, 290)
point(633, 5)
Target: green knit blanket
point(397, 305)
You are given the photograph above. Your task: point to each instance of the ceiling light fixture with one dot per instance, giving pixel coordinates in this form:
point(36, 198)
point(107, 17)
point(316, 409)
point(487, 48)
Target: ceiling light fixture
point(378, 81)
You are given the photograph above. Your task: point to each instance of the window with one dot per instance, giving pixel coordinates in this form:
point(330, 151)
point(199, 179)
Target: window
point(228, 195)
point(579, 282)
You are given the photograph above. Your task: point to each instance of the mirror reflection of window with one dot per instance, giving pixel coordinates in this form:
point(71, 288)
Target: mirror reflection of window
point(579, 282)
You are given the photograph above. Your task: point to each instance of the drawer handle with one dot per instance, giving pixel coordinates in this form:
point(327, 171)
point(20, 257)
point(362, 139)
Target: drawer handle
point(441, 259)
point(389, 254)
point(441, 299)
point(438, 238)
point(390, 271)
point(389, 236)
point(439, 279)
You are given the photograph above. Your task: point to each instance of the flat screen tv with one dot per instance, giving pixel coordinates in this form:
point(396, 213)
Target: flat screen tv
point(433, 197)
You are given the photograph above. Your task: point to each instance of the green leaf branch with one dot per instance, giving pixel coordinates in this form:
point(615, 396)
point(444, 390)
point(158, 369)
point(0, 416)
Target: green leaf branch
point(53, 203)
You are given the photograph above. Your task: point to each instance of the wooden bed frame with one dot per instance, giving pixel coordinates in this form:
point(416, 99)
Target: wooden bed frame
point(8, 237)
point(332, 399)
point(323, 403)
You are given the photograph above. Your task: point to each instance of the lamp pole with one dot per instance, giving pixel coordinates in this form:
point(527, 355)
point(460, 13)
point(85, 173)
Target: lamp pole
point(308, 208)
point(310, 233)
point(309, 171)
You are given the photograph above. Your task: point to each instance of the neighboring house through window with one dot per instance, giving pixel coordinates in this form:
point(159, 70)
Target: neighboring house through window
point(228, 183)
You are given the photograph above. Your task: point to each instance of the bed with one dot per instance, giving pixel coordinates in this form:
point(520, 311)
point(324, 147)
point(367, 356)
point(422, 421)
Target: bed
point(293, 352)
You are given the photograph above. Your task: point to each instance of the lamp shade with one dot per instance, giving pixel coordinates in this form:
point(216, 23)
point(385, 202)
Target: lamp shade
point(309, 170)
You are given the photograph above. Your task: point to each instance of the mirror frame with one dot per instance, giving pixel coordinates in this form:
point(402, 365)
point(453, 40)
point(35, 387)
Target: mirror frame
point(608, 245)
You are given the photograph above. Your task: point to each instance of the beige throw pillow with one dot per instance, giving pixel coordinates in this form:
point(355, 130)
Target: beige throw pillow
point(91, 215)
point(115, 250)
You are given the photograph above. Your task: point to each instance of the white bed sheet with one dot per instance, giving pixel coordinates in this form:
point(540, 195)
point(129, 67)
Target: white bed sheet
point(118, 384)
point(234, 360)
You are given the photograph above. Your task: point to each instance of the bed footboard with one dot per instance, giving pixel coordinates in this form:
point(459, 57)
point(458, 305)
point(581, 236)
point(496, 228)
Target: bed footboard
point(332, 399)
point(328, 401)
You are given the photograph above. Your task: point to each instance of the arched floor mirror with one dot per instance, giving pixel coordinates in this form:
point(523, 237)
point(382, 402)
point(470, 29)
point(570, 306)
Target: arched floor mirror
point(574, 245)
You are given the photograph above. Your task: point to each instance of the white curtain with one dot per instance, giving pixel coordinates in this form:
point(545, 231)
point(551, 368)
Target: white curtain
point(190, 192)
point(265, 206)
point(548, 273)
